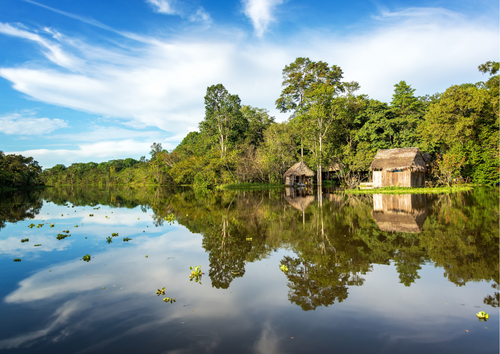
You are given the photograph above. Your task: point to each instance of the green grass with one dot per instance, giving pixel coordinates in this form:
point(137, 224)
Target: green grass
point(406, 190)
point(249, 186)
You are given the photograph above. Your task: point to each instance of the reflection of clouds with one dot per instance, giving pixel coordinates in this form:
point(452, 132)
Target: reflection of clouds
point(122, 216)
point(62, 317)
point(89, 305)
point(14, 246)
point(268, 341)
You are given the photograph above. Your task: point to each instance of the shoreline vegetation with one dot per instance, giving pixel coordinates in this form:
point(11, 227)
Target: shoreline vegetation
point(332, 128)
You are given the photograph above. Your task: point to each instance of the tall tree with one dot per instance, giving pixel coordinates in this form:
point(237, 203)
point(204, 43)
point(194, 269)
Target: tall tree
point(303, 75)
point(223, 117)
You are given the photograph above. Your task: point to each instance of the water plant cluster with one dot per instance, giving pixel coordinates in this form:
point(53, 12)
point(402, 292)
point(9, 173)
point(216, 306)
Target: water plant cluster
point(482, 316)
point(86, 258)
point(25, 240)
point(62, 236)
point(170, 218)
point(196, 274)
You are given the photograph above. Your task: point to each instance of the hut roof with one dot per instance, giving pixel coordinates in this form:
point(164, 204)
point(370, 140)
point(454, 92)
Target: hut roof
point(299, 169)
point(398, 159)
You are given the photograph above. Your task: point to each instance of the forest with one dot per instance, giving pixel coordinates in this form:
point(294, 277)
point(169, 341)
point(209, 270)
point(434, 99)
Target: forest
point(330, 123)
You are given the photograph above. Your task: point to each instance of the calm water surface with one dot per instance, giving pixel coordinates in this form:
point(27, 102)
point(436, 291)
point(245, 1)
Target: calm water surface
point(284, 272)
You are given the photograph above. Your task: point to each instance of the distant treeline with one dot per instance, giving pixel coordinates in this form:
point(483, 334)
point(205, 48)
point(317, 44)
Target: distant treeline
point(330, 124)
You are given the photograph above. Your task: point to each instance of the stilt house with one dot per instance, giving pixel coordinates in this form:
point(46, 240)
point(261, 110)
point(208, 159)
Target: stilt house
point(299, 173)
point(398, 167)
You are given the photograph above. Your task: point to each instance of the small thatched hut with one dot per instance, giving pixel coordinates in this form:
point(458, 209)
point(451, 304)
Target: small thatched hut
point(299, 173)
point(398, 167)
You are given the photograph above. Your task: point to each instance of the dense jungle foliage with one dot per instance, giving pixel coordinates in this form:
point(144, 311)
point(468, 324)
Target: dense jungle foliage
point(330, 123)
point(17, 171)
point(335, 242)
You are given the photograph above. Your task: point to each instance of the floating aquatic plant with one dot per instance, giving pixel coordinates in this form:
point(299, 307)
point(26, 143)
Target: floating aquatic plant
point(170, 218)
point(38, 245)
point(109, 239)
point(76, 225)
point(39, 225)
point(284, 268)
point(482, 316)
point(66, 231)
point(169, 299)
point(51, 225)
point(25, 240)
point(86, 258)
point(17, 260)
point(195, 274)
point(160, 291)
point(62, 237)
point(31, 225)
point(126, 239)
point(91, 214)
point(114, 234)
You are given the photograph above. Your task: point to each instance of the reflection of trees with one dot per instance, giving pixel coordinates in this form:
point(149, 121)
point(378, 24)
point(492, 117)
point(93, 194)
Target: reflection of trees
point(226, 255)
point(312, 285)
point(493, 300)
point(334, 243)
point(17, 206)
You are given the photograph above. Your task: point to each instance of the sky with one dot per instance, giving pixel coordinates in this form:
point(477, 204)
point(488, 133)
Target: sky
point(97, 80)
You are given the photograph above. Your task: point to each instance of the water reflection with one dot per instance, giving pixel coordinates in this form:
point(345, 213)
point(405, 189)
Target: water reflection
point(331, 243)
point(400, 213)
point(336, 238)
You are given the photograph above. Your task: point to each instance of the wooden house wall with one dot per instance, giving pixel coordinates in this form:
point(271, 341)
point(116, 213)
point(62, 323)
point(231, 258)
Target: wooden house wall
point(377, 179)
point(298, 179)
point(396, 179)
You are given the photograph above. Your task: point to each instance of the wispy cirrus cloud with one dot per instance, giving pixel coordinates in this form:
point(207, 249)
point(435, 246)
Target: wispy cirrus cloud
point(26, 123)
point(163, 6)
point(172, 7)
point(260, 12)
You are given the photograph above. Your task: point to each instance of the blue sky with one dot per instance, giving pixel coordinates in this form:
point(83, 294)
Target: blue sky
point(95, 80)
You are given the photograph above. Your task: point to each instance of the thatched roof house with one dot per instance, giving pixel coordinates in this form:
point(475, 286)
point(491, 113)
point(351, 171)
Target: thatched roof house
point(398, 167)
point(299, 173)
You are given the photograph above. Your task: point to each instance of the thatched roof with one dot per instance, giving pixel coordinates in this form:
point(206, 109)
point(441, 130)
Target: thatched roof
point(300, 203)
point(399, 159)
point(299, 169)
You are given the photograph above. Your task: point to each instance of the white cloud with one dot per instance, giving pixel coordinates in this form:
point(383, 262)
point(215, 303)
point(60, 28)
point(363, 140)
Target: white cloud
point(53, 51)
point(200, 15)
point(172, 7)
point(260, 13)
point(163, 6)
point(25, 123)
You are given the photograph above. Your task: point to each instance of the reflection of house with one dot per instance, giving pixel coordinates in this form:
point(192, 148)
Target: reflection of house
point(299, 173)
point(398, 167)
point(400, 213)
point(300, 200)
